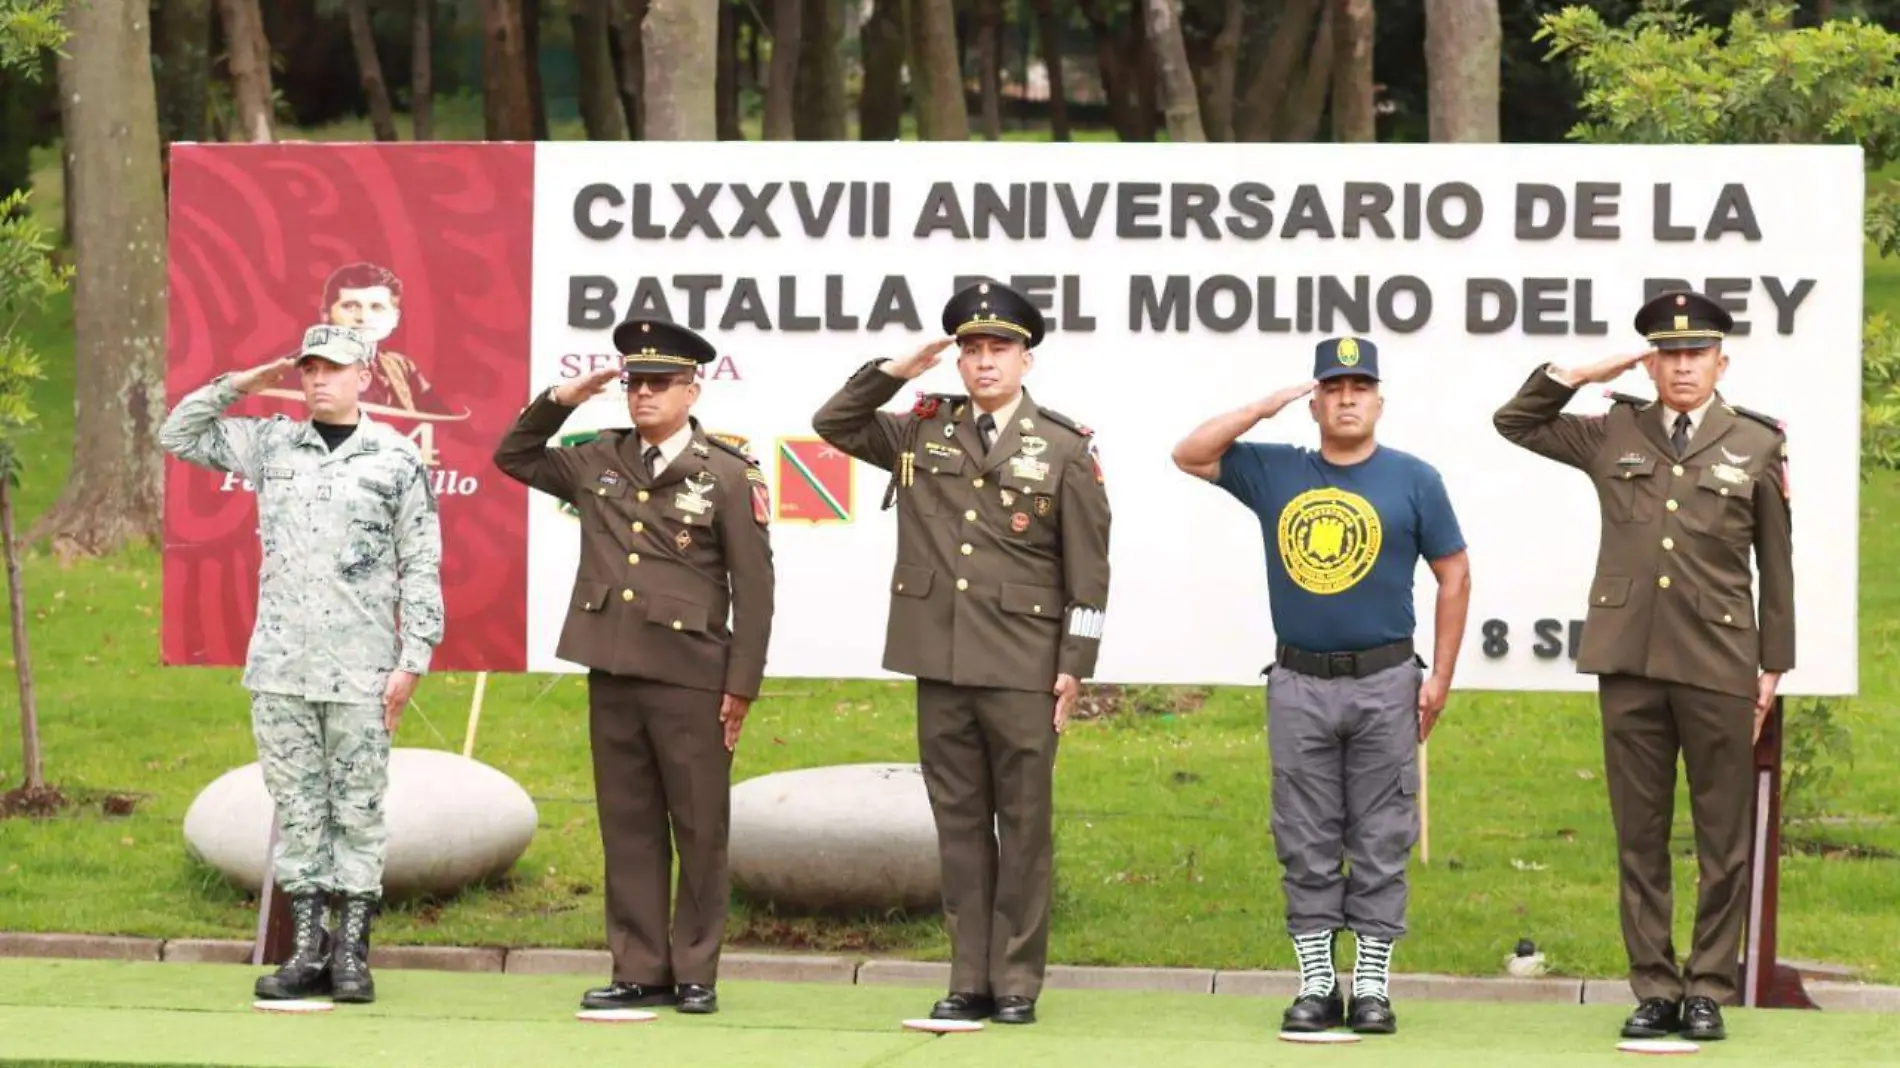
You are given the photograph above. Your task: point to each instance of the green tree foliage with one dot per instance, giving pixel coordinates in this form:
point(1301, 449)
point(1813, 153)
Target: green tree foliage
point(1667, 77)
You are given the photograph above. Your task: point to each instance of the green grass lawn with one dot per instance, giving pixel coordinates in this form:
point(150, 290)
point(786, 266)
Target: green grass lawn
point(1163, 851)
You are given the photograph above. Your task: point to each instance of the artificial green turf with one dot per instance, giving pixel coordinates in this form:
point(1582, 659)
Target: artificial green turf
point(109, 1013)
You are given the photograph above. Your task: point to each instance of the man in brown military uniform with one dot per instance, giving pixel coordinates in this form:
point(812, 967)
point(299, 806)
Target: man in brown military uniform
point(1688, 485)
point(996, 609)
point(673, 533)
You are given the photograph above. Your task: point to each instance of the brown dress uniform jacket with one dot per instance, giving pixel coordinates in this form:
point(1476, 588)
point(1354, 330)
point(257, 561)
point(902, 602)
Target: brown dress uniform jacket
point(1001, 577)
point(1671, 596)
point(662, 559)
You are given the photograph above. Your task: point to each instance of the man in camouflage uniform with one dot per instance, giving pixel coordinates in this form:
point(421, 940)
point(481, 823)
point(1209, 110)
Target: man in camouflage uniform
point(349, 611)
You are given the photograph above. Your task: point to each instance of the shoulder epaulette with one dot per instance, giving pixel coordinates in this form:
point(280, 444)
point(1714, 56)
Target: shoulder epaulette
point(1062, 420)
point(733, 444)
point(1768, 421)
point(1626, 398)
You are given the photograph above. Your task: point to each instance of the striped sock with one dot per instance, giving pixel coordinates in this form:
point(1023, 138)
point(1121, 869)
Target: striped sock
point(1315, 953)
point(1369, 972)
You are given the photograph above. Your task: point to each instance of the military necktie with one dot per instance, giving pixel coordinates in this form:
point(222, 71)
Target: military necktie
point(986, 429)
point(653, 461)
point(1681, 437)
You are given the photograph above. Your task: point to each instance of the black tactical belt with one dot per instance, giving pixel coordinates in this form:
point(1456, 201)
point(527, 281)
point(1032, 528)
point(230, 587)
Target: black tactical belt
point(1345, 665)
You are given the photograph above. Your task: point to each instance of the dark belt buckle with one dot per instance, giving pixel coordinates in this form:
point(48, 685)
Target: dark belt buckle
point(1341, 665)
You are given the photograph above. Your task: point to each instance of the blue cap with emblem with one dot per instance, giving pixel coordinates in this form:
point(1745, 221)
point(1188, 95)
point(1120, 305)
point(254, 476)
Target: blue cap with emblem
point(657, 347)
point(993, 308)
point(1338, 356)
point(1682, 319)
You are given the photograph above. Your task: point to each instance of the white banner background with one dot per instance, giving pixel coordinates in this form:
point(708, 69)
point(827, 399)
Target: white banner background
point(1188, 597)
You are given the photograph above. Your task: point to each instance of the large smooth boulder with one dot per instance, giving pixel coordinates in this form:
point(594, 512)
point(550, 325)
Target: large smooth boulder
point(838, 838)
point(452, 822)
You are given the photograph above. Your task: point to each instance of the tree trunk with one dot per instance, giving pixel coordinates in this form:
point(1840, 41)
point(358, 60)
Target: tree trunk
point(1049, 35)
point(818, 89)
point(599, 99)
point(110, 117)
point(382, 117)
point(630, 64)
point(1181, 103)
point(182, 68)
point(249, 60)
point(1117, 90)
point(881, 101)
point(22, 662)
point(1224, 78)
point(681, 42)
point(726, 86)
point(1300, 120)
point(422, 70)
point(1462, 42)
point(936, 76)
point(1258, 111)
point(505, 114)
point(1353, 116)
point(531, 56)
point(788, 31)
point(989, 61)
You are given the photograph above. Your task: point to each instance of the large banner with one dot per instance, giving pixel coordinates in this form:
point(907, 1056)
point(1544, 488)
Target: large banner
point(1179, 281)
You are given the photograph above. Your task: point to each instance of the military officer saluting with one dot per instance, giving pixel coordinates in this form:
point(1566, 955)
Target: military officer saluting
point(673, 539)
point(996, 609)
point(1689, 486)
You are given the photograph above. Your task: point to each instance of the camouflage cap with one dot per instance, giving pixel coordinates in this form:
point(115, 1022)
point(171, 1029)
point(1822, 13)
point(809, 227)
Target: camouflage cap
point(342, 345)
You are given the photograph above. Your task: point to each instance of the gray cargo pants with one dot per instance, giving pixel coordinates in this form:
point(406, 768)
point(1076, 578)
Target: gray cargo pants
point(1345, 788)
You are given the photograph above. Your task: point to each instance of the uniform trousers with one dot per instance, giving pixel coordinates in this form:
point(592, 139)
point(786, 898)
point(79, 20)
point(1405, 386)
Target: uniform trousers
point(988, 759)
point(662, 778)
point(1345, 789)
point(1645, 724)
point(326, 765)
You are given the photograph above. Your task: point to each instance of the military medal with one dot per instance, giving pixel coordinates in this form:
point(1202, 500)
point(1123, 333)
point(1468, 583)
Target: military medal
point(949, 430)
point(609, 478)
point(1728, 474)
point(684, 539)
point(1026, 423)
point(1028, 468)
point(1033, 446)
point(1631, 459)
point(693, 499)
point(1044, 504)
point(1009, 498)
point(1019, 522)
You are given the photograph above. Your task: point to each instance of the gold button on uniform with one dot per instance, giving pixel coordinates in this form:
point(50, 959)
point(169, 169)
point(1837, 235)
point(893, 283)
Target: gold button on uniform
point(638, 526)
point(599, 492)
point(677, 624)
point(633, 558)
point(1671, 505)
point(1037, 609)
point(1663, 582)
point(965, 549)
point(963, 584)
point(970, 515)
point(1676, 470)
point(626, 595)
point(1668, 544)
point(641, 496)
point(1726, 618)
point(978, 483)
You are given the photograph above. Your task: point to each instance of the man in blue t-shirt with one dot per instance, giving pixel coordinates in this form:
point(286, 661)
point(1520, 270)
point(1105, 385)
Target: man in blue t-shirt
point(1348, 698)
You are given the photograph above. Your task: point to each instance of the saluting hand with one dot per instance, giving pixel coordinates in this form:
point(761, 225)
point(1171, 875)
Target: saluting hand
point(732, 711)
point(922, 360)
point(585, 388)
point(1271, 405)
point(263, 376)
point(1605, 370)
point(1764, 700)
point(1067, 689)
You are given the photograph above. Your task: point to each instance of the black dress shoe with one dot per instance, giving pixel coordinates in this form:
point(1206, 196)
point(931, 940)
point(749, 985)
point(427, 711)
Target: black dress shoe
point(963, 1007)
point(617, 995)
point(1314, 1013)
point(1015, 1009)
point(1372, 1016)
point(1702, 1020)
point(1653, 1018)
point(697, 997)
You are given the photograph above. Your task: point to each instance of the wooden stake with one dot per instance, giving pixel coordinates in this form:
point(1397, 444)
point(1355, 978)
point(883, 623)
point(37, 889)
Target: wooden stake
point(1424, 808)
point(475, 713)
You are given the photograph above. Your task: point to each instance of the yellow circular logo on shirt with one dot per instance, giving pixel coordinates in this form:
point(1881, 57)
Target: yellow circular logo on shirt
point(1329, 539)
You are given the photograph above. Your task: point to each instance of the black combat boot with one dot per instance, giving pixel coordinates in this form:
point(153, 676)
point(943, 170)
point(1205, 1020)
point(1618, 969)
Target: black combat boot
point(307, 971)
point(349, 958)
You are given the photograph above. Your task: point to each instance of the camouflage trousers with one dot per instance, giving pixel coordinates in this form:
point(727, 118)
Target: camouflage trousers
point(327, 768)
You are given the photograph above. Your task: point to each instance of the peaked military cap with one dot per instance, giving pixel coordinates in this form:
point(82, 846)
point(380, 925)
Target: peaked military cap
point(344, 345)
point(1338, 356)
point(1682, 319)
point(656, 347)
point(995, 309)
